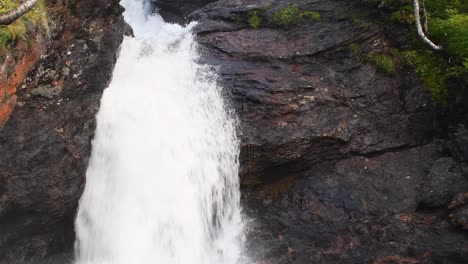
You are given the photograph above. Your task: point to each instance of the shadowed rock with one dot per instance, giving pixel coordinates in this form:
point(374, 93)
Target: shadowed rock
point(44, 146)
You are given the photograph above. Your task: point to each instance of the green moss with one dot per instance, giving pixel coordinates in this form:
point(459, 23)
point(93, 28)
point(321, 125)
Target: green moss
point(431, 69)
point(310, 16)
point(403, 16)
point(287, 16)
point(448, 26)
point(254, 19)
point(354, 48)
point(383, 62)
point(30, 22)
point(291, 15)
point(5, 36)
point(361, 23)
point(452, 33)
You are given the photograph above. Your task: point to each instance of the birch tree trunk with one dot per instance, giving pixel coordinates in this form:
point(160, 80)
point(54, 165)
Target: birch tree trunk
point(425, 26)
point(417, 19)
point(10, 16)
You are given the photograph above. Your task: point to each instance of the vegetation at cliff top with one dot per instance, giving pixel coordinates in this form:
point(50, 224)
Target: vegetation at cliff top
point(447, 22)
point(29, 23)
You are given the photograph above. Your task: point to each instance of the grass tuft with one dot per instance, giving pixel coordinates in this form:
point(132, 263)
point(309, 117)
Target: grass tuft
point(383, 62)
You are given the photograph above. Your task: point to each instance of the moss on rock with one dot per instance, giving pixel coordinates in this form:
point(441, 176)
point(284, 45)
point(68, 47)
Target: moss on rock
point(31, 22)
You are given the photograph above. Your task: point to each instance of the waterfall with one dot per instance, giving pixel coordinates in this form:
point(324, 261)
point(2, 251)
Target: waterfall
point(162, 183)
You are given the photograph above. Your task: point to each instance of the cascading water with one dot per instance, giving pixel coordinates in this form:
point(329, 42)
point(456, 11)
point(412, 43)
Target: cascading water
point(162, 183)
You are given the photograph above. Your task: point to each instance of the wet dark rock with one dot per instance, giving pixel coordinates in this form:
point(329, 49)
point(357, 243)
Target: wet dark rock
point(460, 217)
point(357, 210)
point(338, 161)
point(45, 145)
point(459, 149)
point(459, 200)
point(302, 95)
point(177, 11)
point(459, 207)
point(443, 180)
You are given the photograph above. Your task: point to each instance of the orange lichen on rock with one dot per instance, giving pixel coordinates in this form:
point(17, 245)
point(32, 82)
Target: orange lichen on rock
point(13, 72)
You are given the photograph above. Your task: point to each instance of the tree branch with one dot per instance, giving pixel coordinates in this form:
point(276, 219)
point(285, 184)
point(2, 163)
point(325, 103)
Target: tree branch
point(421, 34)
point(10, 16)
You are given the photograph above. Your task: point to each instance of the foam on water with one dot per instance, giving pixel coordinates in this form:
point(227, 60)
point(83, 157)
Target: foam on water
point(162, 183)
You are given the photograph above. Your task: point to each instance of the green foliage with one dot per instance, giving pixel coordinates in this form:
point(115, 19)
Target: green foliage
point(361, 23)
point(452, 33)
point(291, 15)
point(31, 21)
point(254, 19)
point(284, 18)
point(5, 36)
point(383, 62)
point(310, 16)
point(354, 48)
point(431, 69)
point(448, 26)
point(403, 16)
point(287, 16)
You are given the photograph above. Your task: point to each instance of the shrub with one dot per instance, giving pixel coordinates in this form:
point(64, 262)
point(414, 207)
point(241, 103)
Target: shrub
point(453, 33)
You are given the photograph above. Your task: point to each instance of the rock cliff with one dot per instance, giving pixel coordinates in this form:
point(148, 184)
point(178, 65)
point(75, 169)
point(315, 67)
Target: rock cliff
point(340, 159)
point(45, 144)
point(340, 163)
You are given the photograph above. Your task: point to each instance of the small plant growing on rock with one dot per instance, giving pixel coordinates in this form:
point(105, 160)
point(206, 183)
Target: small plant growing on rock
point(291, 15)
point(383, 62)
point(287, 16)
point(310, 16)
point(254, 19)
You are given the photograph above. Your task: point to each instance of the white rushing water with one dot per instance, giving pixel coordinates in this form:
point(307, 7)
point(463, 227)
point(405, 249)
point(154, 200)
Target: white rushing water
point(162, 183)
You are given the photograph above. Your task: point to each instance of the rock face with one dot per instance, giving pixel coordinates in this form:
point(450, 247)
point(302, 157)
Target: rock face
point(177, 11)
point(391, 207)
point(45, 145)
point(303, 95)
point(339, 161)
point(14, 68)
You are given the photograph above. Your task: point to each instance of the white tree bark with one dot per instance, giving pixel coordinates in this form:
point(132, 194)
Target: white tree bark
point(10, 16)
point(417, 19)
point(425, 26)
